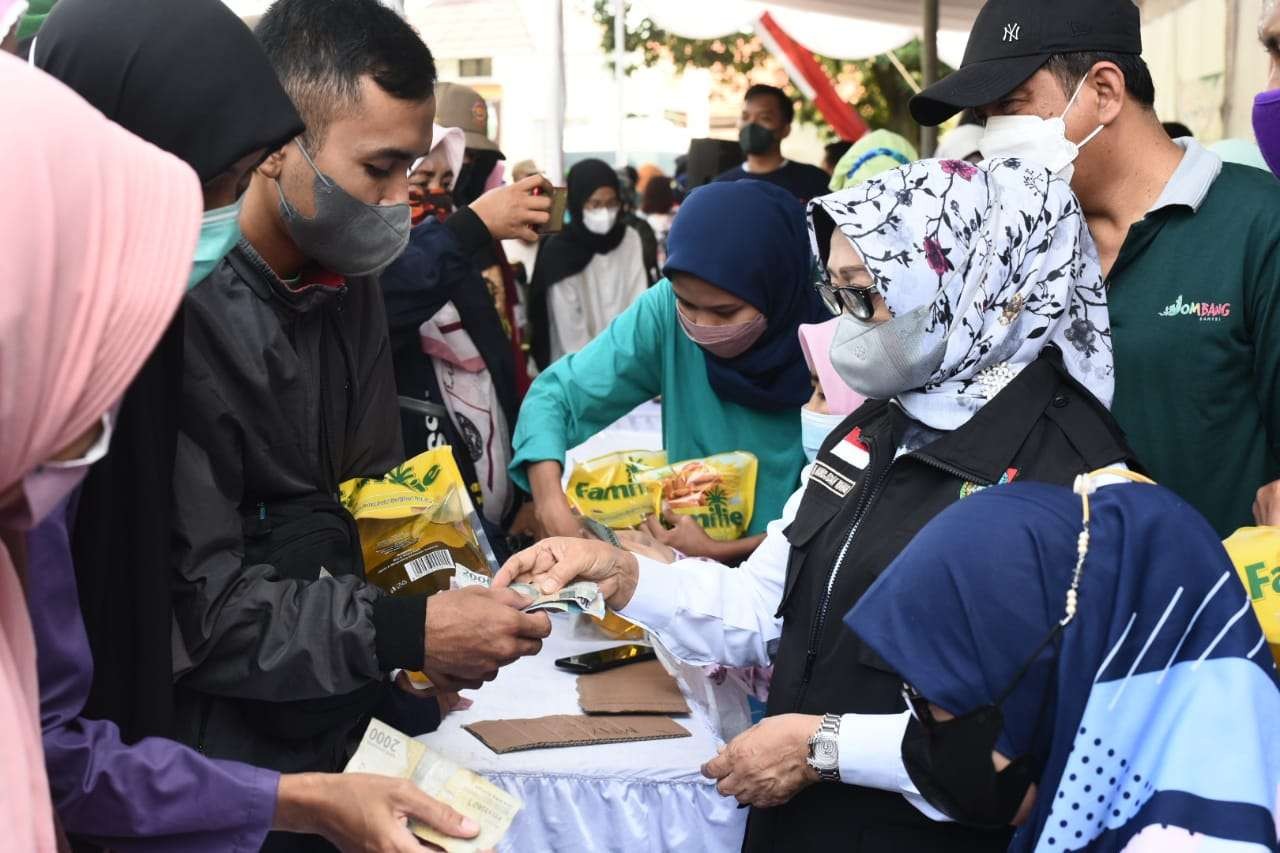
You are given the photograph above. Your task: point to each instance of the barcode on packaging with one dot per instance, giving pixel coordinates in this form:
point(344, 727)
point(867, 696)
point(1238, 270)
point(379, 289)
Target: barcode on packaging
point(434, 561)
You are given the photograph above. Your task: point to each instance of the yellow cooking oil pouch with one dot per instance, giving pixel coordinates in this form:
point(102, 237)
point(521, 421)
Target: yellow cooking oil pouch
point(718, 491)
point(608, 489)
point(418, 528)
point(1256, 554)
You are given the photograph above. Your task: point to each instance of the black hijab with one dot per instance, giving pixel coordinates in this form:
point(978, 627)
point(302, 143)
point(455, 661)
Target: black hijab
point(187, 76)
point(569, 252)
point(191, 78)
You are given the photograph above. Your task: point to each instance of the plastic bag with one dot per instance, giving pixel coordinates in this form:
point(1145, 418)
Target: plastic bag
point(608, 489)
point(418, 528)
point(719, 491)
point(1256, 554)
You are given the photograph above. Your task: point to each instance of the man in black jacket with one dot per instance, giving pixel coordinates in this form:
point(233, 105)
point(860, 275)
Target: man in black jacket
point(281, 648)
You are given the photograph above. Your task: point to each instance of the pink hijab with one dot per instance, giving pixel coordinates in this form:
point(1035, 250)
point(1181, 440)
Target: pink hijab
point(815, 340)
point(97, 236)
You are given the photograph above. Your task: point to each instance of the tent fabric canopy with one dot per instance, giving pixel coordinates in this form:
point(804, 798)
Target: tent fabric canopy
point(840, 29)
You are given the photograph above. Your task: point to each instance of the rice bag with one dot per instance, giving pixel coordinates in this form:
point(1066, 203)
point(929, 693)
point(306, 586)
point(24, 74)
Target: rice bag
point(608, 489)
point(718, 491)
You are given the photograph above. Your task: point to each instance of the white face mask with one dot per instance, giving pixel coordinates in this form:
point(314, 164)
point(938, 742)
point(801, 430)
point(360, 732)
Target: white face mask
point(1036, 139)
point(601, 220)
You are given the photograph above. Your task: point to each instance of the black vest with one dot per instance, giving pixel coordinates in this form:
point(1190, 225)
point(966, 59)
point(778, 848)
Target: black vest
point(860, 508)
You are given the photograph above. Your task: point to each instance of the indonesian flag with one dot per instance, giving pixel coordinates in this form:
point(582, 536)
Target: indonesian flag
point(853, 450)
point(811, 79)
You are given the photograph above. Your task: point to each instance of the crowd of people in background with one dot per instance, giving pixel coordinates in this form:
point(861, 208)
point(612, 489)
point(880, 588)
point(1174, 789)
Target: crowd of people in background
point(242, 267)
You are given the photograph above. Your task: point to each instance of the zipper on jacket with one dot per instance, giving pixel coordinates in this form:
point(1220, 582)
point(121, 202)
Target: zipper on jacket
point(206, 711)
point(815, 636)
point(967, 476)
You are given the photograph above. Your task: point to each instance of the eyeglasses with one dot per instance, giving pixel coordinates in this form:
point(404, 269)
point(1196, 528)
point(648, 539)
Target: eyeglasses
point(856, 299)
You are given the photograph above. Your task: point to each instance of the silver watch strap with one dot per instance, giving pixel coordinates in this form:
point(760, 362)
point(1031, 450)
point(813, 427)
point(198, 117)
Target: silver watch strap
point(830, 726)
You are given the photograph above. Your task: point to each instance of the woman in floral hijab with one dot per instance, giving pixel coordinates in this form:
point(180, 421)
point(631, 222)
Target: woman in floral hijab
point(971, 274)
point(979, 268)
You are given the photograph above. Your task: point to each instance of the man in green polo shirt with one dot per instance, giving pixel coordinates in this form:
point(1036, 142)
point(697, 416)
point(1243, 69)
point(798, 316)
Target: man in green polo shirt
point(1190, 245)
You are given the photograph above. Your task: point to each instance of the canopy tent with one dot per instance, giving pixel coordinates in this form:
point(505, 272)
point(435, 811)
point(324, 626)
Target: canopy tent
point(840, 29)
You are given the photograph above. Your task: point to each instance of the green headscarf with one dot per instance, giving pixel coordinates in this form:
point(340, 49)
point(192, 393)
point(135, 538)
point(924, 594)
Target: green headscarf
point(877, 152)
point(37, 11)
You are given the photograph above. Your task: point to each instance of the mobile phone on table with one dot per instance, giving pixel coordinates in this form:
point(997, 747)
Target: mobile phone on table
point(559, 203)
point(607, 658)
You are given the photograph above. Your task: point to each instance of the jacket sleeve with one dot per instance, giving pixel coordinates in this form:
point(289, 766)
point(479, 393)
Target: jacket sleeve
point(425, 277)
point(581, 394)
point(148, 796)
point(706, 613)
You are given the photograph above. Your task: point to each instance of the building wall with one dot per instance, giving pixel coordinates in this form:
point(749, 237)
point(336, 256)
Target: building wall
point(1206, 61)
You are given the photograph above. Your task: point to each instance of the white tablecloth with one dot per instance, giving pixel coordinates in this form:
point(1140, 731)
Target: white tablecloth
point(625, 797)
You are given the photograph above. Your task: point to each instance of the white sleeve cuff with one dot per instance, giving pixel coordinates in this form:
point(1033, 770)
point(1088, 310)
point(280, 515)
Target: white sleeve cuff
point(652, 604)
point(870, 747)
point(871, 751)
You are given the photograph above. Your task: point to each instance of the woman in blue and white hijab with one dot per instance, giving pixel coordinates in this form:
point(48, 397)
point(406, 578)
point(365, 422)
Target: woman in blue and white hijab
point(979, 268)
point(1147, 722)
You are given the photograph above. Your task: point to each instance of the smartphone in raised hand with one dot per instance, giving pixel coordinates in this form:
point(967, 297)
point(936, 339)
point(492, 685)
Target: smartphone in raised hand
point(559, 203)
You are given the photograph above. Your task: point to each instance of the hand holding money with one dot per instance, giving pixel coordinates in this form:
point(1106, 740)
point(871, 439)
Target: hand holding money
point(580, 597)
point(553, 564)
point(386, 752)
point(360, 811)
point(472, 632)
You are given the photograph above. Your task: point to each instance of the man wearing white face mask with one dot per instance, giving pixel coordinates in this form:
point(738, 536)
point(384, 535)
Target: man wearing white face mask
point(1187, 243)
point(589, 273)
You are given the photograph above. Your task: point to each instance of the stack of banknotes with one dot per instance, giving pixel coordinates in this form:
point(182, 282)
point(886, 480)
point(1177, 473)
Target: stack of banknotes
point(387, 752)
point(580, 597)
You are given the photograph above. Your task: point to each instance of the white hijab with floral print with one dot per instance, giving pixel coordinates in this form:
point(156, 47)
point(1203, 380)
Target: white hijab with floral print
point(1002, 251)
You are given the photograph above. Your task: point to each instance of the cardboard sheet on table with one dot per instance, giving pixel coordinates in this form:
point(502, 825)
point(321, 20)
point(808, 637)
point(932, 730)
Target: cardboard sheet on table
point(559, 730)
point(638, 688)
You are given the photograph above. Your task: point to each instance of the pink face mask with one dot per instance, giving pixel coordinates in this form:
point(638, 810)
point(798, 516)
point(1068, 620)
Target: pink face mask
point(728, 341)
point(49, 483)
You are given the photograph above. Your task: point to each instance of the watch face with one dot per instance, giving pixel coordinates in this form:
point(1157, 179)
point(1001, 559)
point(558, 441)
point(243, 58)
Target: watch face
point(824, 752)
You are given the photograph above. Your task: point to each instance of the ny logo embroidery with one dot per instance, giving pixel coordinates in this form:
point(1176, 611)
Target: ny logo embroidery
point(1011, 32)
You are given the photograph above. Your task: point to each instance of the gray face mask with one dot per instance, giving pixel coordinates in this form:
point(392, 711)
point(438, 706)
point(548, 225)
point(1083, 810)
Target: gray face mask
point(346, 236)
point(882, 360)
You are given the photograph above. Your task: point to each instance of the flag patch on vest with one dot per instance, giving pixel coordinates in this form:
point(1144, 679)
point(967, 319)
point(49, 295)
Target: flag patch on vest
point(833, 481)
point(853, 450)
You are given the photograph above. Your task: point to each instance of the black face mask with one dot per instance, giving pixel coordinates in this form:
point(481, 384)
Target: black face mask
point(950, 761)
point(756, 139)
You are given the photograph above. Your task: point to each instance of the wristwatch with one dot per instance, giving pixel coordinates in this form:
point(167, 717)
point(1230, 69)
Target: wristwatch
point(824, 749)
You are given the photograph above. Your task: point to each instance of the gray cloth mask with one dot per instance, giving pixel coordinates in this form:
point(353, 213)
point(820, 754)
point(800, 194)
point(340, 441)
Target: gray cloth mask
point(346, 236)
point(882, 360)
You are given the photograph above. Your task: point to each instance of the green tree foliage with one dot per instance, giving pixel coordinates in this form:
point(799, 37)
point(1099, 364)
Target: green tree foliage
point(874, 86)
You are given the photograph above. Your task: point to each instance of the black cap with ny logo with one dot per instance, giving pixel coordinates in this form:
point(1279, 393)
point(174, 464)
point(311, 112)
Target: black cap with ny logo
point(1012, 39)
